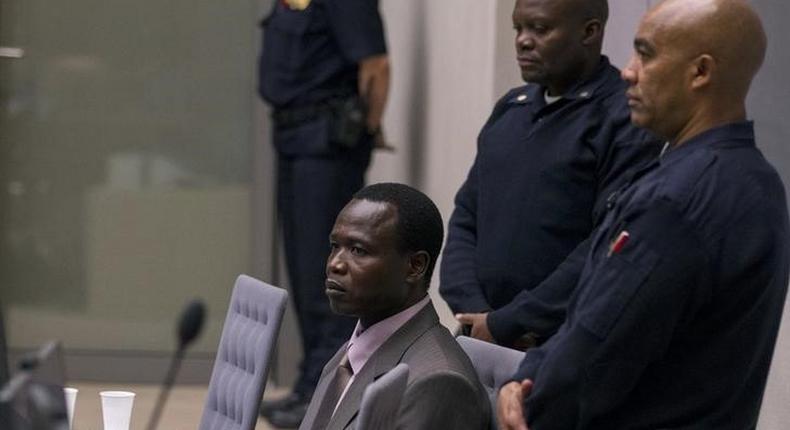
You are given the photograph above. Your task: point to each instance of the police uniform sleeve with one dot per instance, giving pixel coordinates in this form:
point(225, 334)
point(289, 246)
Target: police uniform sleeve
point(541, 310)
point(622, 319)
point(357, 27)
point(459, 285)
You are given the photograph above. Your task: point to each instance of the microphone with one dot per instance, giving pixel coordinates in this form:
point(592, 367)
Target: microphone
point(189, 325)
point(191, 322)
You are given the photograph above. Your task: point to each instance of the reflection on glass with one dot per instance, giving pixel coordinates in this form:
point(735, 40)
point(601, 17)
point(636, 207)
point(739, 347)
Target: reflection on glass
point(125, 140)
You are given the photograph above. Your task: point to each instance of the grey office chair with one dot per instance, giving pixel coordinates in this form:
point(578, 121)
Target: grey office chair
point(381, 400)
point(494, 365)
point(245, 351)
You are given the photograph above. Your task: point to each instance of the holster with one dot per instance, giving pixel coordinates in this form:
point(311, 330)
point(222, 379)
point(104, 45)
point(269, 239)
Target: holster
point(347, 119)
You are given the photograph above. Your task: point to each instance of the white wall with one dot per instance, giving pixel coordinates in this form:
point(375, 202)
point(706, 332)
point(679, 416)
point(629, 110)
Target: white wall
point(619, 35)
point(769, 106)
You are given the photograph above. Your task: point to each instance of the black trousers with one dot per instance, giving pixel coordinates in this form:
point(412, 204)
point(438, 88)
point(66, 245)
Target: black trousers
point(315, 180)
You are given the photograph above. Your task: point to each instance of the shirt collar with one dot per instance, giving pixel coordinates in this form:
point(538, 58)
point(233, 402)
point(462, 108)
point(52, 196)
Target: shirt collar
point(364, 343)
point(586, 89)
point(734, 134)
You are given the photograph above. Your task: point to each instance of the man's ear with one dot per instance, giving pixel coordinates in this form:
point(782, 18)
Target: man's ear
point(593, 32)
point(418, 266)
point(702, 69)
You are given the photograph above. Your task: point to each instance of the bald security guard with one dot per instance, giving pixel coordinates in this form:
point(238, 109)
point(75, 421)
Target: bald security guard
point(325, 71)
point(547, 159)
point(674, 321)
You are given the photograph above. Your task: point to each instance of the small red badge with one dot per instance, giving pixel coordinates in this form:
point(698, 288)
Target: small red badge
point(618, 244)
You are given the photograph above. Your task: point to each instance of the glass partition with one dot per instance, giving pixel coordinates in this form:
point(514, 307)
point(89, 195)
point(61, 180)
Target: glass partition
point(126, 134)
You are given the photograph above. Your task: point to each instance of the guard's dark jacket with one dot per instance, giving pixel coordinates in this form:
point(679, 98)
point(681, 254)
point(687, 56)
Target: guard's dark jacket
point(537, 188)
point(674, 327)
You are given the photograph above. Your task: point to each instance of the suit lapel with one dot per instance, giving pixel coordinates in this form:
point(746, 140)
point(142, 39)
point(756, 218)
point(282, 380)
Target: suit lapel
point(327, 375)
point(383, 360)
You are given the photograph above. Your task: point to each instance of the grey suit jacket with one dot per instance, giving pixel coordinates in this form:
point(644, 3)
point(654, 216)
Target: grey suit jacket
point(442, 392)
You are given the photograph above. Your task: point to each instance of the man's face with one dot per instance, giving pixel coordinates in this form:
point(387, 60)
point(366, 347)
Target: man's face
point(549, 46)
point(365, 272)
point(658, 93)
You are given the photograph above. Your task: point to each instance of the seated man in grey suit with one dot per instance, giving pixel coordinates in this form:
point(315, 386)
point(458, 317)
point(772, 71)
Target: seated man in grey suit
point(384, 246)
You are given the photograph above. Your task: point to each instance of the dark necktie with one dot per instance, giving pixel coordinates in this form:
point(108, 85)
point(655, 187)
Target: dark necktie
point(335, 389)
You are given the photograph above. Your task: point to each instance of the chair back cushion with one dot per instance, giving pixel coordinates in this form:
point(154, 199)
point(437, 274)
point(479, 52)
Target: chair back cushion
point(494, 365)
point(245, 352)
point(381, 400)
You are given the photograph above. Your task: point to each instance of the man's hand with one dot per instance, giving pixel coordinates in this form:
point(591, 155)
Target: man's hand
point(380, 142)
point(509, 408)
point(374, 80)
point(479, 326)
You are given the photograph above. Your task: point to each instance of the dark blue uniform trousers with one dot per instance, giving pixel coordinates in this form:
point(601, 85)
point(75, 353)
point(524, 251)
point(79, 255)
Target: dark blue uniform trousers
point(312, 189)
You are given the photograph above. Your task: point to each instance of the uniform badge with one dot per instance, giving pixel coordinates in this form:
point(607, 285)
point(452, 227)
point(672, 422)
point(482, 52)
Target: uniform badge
point(617, 245)
point(297, 4)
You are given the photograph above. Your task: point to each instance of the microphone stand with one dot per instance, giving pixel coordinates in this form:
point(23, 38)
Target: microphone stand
point(170, 378)
point(189, 326)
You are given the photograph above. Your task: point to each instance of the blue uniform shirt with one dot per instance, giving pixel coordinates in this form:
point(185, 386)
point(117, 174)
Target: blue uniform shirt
point(311, 55)
point(536, 190)
point(674, 320)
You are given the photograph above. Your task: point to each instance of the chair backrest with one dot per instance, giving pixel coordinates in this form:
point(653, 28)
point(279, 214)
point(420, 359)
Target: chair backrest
point(494, 365)
point(381, 400)
point(244, 354)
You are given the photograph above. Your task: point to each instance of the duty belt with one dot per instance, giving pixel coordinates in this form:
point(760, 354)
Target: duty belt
point(294, 116)
point(290, 117)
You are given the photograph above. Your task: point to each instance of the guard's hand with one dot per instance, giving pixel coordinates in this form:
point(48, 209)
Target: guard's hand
point(373, 79)
point(479, 326)
point(509, 407)
point(380, 142)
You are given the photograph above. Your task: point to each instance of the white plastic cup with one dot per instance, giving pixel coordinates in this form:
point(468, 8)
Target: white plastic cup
point(71, 400)
point(116, 407)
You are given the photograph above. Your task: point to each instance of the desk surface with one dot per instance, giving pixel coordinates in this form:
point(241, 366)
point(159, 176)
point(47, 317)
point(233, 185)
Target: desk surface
point(182, 412)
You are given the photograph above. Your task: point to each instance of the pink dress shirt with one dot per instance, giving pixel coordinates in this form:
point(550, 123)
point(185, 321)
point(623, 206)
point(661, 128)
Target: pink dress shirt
point(364, 342)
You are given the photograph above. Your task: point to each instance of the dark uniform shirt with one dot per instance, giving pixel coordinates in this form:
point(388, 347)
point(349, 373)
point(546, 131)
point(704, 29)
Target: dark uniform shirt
point(537, 187)
point(311, 55)
point(677, 310)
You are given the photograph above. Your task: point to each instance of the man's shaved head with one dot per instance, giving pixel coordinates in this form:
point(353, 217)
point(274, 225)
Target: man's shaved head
point(730, 31)
point(693, 63)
